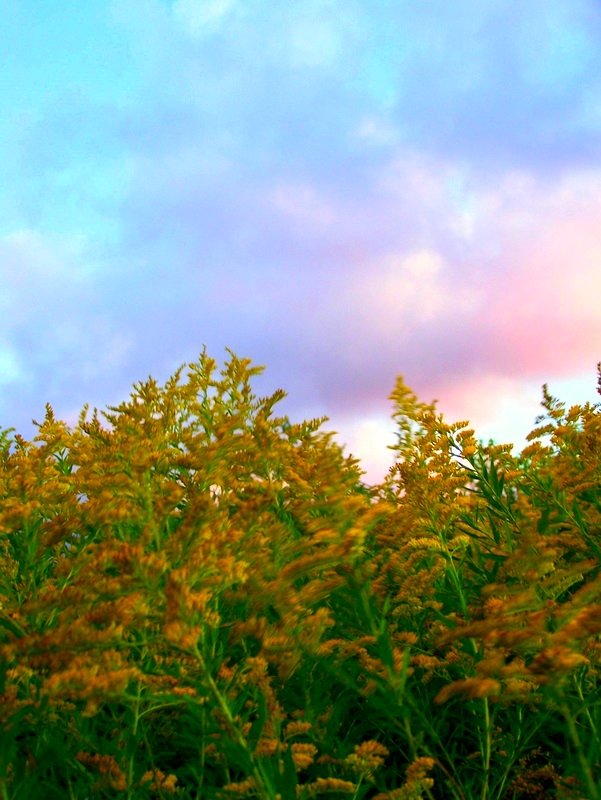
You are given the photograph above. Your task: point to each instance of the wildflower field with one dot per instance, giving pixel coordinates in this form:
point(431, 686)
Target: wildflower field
point(205, 601)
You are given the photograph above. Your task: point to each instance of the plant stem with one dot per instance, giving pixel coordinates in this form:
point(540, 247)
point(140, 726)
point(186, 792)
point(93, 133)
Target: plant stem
point(584, 765)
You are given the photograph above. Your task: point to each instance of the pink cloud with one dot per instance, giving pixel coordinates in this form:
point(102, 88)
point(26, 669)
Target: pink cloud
point(542, 314)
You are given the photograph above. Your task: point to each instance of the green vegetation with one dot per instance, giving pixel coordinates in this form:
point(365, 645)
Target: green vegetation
point(204, 601)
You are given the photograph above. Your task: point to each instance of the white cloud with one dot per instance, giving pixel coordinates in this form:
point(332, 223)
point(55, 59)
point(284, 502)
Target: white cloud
point(303, 204)
point(313, 42)
point(376, 131)
point(41, 276)
point(194, 16)
point(10, 369)
point(368, 438)
point(402, 288)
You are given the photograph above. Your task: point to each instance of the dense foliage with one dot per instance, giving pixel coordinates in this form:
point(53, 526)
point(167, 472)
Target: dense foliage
point(206, 601)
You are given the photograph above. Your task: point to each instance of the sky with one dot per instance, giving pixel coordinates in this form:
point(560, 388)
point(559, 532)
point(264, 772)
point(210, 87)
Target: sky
point(343, 191)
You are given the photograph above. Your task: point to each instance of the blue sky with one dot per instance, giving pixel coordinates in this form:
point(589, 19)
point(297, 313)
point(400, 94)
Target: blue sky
point(341, 190)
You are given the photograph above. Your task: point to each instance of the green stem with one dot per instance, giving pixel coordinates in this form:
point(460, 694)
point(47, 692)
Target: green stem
point(130, 766)
point(487, 744)
point(263, 784)
point(593, 727)
point(584, 765)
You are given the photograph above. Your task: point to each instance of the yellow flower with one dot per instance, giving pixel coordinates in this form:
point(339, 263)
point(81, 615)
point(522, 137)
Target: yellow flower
point(366, 758)
point(297, 727)
point(160, 782)
point(303, 755)
point(328, 785)
point(471, 688)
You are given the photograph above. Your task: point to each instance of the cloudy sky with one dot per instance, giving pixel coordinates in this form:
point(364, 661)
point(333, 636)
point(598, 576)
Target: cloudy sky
point(341, 190)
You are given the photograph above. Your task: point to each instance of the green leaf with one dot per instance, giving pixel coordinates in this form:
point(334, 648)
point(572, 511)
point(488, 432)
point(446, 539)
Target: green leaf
point(289, 778)
point(273, 615)
point(543, 522)
point(581, 524)
point(257, 727)
point(11, 625)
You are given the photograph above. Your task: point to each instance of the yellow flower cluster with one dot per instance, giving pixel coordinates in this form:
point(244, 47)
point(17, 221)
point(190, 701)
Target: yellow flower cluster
point(208, 572)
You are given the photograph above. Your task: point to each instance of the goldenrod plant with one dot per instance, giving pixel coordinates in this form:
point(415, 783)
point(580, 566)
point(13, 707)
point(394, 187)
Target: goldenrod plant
point(202, 600)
